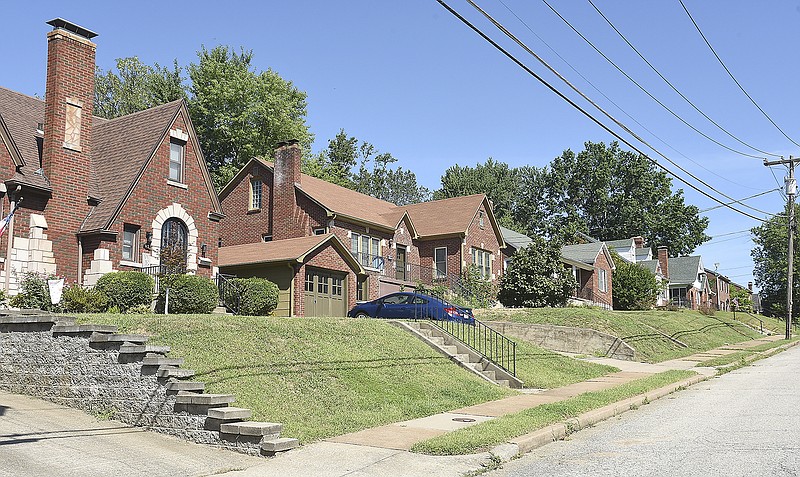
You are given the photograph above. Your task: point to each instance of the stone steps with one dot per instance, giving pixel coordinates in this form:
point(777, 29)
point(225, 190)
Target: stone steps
point(117, 338)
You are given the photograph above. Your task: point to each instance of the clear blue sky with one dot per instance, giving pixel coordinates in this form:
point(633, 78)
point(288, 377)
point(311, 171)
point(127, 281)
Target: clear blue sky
point(412, 80)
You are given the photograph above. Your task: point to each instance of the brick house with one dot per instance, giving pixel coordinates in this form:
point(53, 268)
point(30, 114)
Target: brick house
point(99, 195)
point(720, 287)
point(688, 282)
point(369, 246)
point(592, 267)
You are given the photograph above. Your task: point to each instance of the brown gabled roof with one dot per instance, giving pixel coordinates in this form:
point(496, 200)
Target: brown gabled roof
point(446, 216)
point(21, 115)
point(120, 149)
point(287, 250)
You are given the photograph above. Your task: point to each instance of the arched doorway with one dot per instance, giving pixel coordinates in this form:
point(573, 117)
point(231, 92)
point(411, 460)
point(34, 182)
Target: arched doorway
point(174, 235)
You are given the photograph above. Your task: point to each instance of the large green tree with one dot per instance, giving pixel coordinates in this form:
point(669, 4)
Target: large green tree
point(536, 277)
point(135, 86)
point(635, 287)
point(610, 193)
point(374, 175)
point(240, 113)
point(771, 265)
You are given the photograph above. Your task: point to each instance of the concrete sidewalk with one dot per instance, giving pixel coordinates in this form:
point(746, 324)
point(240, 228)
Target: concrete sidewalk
point(41, 438)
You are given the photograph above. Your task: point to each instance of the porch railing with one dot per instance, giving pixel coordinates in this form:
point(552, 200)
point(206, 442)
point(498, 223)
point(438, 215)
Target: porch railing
point(587, 294)
point(230, 296)
point(157, 271)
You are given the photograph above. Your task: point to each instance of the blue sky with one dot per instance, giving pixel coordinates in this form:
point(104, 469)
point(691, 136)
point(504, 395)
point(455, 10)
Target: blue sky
point(412, 80)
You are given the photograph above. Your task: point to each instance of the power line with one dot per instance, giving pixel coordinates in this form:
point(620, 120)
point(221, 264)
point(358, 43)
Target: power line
point(645, 90)
point(746, 198)
point(748, 239)
point(737, 268)
point(731, 233)
point(733, 77)
point(673, 86)
point(588, 81)
point(780, 187)
point(589, 115)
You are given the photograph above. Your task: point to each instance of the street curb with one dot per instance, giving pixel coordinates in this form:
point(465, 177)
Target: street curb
point(555, 432)
point(757, 355)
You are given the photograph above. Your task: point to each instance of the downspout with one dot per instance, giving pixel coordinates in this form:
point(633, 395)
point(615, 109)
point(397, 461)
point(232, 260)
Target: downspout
point(291, 289)
point(79, 281)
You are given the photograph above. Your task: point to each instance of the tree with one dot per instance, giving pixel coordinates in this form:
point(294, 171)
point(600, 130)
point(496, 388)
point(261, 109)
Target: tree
point(635, 287)
point(610, 193)
point(135, 87)
point(536, 278)
point(374, 176)
point(240, 113)
point(771, 265)
point(742, 297)
point(497, 180)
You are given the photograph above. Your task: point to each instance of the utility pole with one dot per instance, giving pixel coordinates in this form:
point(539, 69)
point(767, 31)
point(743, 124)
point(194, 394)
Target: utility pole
point(791, 191)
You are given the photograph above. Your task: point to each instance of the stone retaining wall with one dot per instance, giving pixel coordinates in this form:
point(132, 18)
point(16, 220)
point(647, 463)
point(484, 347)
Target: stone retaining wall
point(115, 376)
point(567, 339)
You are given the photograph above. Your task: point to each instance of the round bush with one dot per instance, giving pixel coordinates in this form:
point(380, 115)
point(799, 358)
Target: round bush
point(77, 299)
point(259, 296)
point(187, 294)
point(126, 290)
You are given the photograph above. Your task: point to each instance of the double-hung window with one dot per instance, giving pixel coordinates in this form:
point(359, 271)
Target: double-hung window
point(255, 194)
point(367, 250)
point(440, 262)
point(176, 153)
point(483, 262)
point(602, 279)
point(130, 242)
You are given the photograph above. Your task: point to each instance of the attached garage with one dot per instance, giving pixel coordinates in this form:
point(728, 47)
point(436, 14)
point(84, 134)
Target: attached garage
point(316, 275)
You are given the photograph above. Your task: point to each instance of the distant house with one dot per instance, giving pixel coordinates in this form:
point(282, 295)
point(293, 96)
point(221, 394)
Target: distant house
point(98, 195)
point(720, 290)
point(654, 267)
point(592, 267)
point(327, 246)
point(514, 241)
point(688, 282)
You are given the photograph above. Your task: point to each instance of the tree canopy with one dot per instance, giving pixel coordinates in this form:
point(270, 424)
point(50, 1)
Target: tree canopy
point(771, 265)
point(603, 191)
point(135, 87)
point(536, 277)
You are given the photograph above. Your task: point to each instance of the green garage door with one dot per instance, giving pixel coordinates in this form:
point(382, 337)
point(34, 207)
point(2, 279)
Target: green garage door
point(325, 293)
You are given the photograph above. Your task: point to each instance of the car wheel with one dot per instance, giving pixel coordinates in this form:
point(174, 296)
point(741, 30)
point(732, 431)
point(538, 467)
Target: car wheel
point(361, 315)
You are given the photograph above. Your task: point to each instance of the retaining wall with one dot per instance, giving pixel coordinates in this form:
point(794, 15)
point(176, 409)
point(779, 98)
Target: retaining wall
point(567, 339)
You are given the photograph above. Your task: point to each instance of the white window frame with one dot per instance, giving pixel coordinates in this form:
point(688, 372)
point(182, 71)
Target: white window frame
point(366, 249)
point(482, 260)
point(256, 193)
point(182, 149)
point(602, 280)
point(132, 231)
point(437, 273)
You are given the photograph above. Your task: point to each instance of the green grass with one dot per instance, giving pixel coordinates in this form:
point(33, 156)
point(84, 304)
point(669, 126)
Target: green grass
point(741, 356)
point(770, 324)
point(648, 332)
point(539, 368)
point(496, 431)
point(320, 377)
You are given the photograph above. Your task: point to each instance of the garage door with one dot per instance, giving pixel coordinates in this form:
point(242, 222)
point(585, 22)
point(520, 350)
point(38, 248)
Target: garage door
point(325, 293)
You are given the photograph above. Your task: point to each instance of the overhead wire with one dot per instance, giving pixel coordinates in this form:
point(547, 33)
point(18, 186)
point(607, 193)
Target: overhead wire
point(644, 90)
point(733, 77)
point(691, 103)
point(590, 116)
point(590, 83)
point(746, 198)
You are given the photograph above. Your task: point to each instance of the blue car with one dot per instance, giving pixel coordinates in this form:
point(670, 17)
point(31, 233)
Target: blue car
point(412, 306)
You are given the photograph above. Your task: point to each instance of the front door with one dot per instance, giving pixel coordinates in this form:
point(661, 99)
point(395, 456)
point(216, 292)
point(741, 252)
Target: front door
point(325, 293)
point(173, 246)
point(400, 263)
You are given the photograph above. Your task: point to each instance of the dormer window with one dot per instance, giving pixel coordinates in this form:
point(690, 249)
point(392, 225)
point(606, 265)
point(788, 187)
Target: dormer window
point(176, 153)
point(255, 194)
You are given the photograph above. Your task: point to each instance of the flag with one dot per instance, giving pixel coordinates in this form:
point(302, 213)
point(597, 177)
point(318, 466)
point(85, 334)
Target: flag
point(7, 219)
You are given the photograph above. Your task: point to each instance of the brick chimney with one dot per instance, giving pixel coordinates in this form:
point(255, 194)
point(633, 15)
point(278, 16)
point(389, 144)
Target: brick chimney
point(750, 286)
point(287, 174)
point(69, 97)
point(638, 241)
point(663, 260)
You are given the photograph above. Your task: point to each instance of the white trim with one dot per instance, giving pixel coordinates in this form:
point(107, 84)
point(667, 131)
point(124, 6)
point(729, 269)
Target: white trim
point(126, 263)
point(177, 211)
point(177, 184)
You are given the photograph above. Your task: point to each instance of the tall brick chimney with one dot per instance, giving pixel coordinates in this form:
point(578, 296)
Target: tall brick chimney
point(638, 241)
point(287, 174)
point(67, 144)
point(663, 260)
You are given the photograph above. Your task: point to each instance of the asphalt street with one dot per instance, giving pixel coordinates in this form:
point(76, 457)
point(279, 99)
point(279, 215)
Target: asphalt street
point(744, 423)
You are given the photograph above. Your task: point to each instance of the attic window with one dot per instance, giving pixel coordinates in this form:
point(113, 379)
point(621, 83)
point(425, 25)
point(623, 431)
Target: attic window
point(176, 153)
point(266, 237)
point(319, 231)
point(480, 218)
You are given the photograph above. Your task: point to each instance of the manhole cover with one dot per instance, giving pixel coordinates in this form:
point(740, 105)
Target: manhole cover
point(463, 419)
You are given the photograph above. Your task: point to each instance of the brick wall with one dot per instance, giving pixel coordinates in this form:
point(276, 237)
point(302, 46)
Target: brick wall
point(287, 173)
point(241, 224)
point(484, 238)
point(426, 256)
point(602, 263)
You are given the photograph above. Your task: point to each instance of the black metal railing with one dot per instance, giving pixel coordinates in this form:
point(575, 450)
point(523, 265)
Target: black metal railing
point(484, 340)
point(367, 260)
point(157, 271)
point(587, 294)
point(230, 296)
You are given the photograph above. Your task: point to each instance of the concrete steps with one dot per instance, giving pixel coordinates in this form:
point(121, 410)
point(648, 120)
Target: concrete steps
point(460, 353)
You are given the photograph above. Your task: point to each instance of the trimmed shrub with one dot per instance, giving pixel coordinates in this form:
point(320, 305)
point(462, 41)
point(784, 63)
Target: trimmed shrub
point(34, 294)
point(259, 296)
point(76, 299)
point(635, 287)
point(126, 289)
point(536, 277)
point(187, 294)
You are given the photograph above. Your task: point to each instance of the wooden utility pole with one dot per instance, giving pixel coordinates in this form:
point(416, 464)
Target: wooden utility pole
point(791, 191)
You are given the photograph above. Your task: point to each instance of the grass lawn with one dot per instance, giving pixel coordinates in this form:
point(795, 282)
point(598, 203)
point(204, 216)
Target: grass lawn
point(320, 377)
point(540, 368)
point(649, 332)
point(487, 434)
point(741, 356)
point(772, 324)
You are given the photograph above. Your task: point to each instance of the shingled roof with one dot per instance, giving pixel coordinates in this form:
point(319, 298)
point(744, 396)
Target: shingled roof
point(287, 250)
point(684, 270)
point(121, 148)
